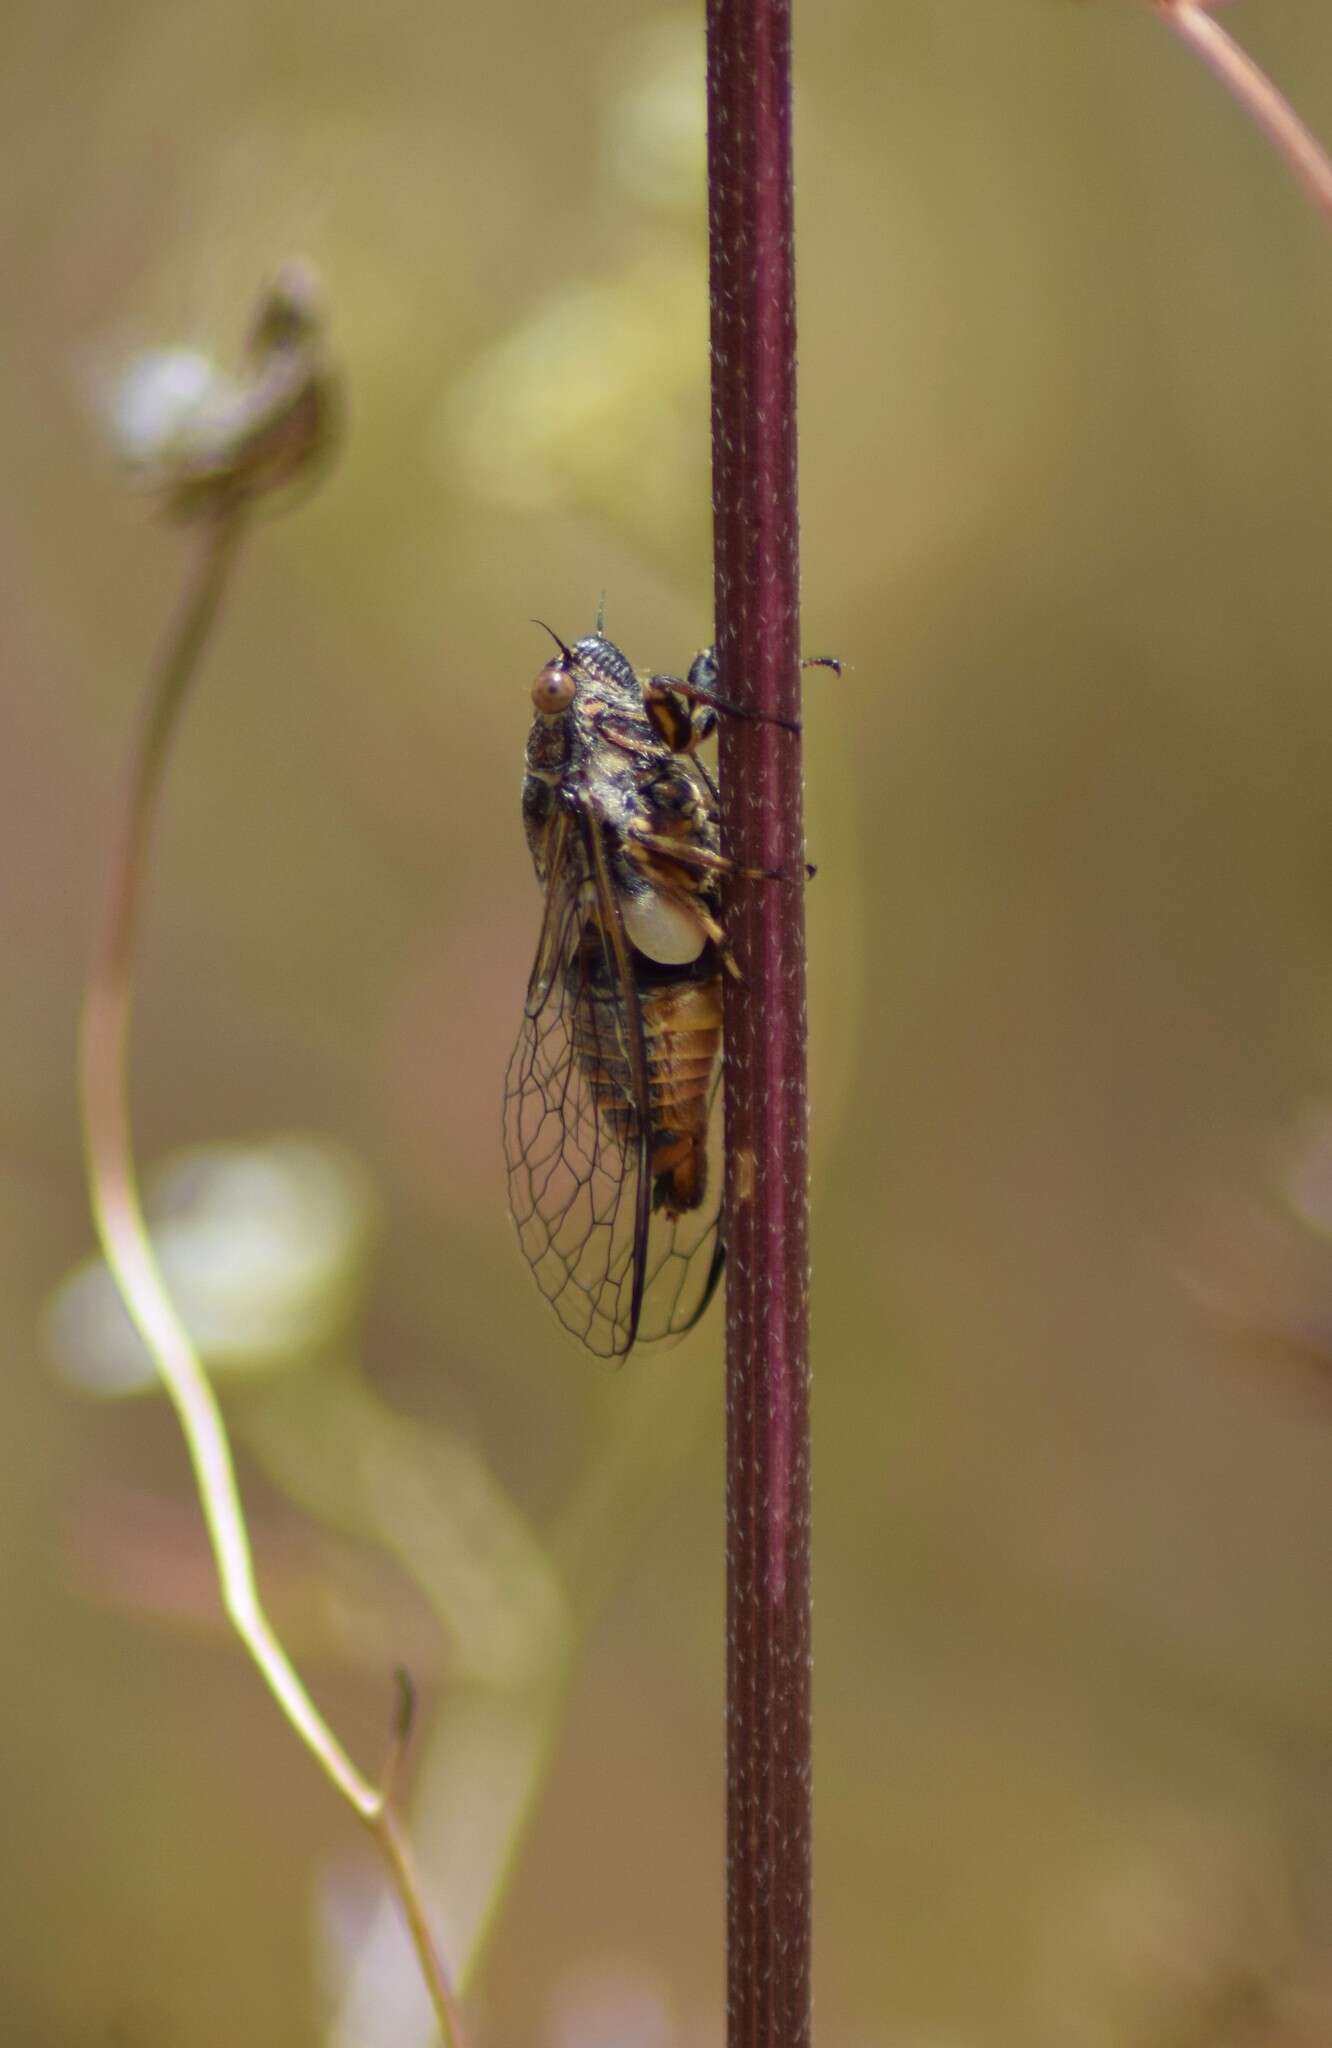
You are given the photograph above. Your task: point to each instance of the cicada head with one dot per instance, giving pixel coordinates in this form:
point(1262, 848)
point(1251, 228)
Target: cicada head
point(577, 689)
point(606, 669)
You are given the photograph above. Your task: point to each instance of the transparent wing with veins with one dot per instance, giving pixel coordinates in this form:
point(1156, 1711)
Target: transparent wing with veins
point(577, 1126)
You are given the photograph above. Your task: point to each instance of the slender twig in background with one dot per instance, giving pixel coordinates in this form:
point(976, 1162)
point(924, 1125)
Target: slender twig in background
point(1255, 92)
point(767, 1350)
point(215, 486)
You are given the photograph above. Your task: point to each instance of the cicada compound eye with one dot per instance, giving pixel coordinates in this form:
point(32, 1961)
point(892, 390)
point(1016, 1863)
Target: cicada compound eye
point(553, 690)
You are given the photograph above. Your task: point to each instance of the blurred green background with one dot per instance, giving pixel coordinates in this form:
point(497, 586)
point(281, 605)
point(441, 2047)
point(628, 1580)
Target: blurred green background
point(1066, 346)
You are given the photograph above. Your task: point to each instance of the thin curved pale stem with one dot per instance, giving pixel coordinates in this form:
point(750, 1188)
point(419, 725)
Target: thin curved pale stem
point(1254, 91)
point(118, 1213)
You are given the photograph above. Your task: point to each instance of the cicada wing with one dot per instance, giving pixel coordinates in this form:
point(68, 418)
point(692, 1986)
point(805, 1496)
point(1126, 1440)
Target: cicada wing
point(575, 1119)
point(577, 1122)
point(561, 880)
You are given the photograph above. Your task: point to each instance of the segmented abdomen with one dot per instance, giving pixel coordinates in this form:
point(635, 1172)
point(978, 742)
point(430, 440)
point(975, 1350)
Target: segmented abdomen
point(682, 1017)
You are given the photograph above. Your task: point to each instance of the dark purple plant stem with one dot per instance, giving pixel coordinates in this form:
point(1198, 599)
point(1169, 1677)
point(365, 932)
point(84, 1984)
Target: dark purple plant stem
point(767, 1287)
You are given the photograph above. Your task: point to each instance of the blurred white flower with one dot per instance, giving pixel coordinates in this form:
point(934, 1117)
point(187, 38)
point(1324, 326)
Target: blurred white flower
point(265, 1251)
point(204, 439)
point(163, 404)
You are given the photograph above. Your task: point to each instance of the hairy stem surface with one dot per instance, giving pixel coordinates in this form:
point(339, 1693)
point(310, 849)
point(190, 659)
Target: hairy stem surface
point(767, 1348)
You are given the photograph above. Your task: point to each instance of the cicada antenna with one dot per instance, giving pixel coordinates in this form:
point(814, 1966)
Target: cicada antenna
point(601, 616)
point(565, 650)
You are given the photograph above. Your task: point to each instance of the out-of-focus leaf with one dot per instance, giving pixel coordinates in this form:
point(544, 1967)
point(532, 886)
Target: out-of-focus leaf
point(1307, 1180)
point(592, 401)
point(655, 129)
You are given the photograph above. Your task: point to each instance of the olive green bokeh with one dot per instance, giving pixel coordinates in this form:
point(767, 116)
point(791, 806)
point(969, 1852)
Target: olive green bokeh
point(1066, 358)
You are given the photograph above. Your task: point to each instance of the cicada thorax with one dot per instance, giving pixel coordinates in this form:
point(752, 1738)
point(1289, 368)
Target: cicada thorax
point(680, 1012)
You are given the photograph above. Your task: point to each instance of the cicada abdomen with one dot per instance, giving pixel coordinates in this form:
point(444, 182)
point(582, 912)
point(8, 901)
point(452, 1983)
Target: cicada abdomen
point(680, 1008)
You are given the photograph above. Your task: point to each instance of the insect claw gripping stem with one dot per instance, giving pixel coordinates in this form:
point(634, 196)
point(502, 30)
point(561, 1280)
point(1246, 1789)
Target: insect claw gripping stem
point(717, 703)
point(703, 693)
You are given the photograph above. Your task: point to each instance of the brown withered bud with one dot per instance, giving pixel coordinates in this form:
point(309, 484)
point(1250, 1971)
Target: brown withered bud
point(205, 442)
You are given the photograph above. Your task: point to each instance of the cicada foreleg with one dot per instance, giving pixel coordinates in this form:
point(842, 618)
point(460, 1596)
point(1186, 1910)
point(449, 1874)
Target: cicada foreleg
point(678, 716)
point(684, 708)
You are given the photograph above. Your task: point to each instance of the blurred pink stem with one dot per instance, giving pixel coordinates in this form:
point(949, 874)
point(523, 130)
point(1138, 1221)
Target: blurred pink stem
point(1256, 94)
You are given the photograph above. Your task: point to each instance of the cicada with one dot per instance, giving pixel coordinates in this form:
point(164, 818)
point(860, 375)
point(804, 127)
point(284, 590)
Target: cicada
point(612, 1099)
